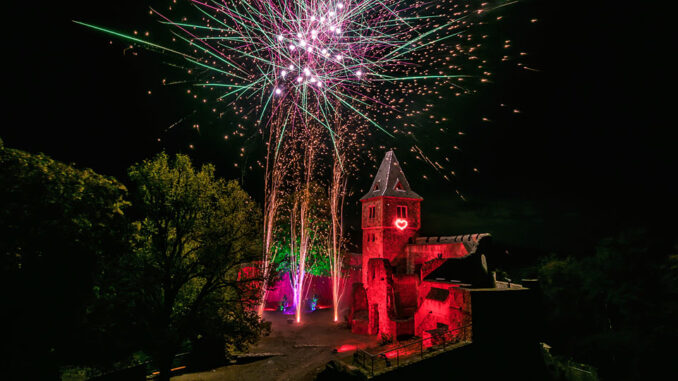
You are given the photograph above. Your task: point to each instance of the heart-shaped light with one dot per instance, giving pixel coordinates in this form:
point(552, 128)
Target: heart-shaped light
point(401, 223)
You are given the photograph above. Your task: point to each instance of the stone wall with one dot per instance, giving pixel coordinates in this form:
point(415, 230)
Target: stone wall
point(380, 295)
point(421, 253)
point(450, 305)
point(381, 239)
point(405, 294)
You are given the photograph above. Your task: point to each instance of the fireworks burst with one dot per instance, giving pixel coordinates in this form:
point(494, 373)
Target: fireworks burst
point(302, 62)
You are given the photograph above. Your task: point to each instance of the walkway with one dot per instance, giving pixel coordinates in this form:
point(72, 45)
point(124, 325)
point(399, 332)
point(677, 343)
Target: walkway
point(305, 350)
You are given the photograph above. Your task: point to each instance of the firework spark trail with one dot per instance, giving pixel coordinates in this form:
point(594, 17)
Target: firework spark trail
point(299, 255)
point(337, 192)
point(300, 58)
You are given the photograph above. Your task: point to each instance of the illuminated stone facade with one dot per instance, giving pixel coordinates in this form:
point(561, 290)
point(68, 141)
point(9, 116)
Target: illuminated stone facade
point(397, 296)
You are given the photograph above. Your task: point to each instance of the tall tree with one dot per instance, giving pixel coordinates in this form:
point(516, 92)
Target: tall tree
point(57, 225)
point(617, 308)
point(193, 234)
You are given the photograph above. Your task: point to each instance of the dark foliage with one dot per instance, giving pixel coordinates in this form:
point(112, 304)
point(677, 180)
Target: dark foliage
point(88, 280)
point(193, 233)
point(617, 309)
point(58, 227)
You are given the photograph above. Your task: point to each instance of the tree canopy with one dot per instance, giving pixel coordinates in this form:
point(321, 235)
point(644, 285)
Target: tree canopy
point(91, 275)
point(57, 224)
point(193, 233)
point(319, 225)
point(617, 308)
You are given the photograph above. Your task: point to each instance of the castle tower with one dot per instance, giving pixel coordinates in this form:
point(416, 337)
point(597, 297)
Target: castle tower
point(390, 215)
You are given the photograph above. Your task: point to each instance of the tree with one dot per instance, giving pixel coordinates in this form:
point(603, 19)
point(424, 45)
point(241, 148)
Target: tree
point(617, 308)
point(302, 227)
point(57, 225)
point(193, 233)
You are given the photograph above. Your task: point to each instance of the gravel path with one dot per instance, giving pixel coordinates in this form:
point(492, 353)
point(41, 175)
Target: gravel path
point(305, 349)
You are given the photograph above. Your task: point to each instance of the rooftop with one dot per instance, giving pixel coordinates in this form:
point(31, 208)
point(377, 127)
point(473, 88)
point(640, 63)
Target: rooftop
point(390, 180)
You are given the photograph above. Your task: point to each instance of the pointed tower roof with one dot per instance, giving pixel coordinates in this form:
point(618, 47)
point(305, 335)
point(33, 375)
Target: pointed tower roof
point(390, 180)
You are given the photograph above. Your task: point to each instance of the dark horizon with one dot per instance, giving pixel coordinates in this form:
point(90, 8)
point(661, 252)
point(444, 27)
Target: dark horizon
point(588, 155)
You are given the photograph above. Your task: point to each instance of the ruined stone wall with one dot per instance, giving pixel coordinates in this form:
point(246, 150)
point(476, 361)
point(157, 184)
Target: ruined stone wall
point(395, 241)
point(423, 253)
point(454, 311)
point(380, 297)
point(383, 254)
point(405, 294)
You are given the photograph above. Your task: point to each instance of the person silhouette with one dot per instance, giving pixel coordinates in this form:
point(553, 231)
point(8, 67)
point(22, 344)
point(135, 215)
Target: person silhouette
point(314, 302)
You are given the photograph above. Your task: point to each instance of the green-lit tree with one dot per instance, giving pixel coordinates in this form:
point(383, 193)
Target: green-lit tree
point(193, 233)
point(294, 249)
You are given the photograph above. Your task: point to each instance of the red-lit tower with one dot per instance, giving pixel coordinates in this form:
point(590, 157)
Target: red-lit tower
point(390, 215)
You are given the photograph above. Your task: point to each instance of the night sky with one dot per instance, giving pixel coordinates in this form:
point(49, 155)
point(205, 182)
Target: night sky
point(589, 154)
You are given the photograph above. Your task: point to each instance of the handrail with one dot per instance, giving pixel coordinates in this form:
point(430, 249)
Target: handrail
point(422, 339)
point(360, 356)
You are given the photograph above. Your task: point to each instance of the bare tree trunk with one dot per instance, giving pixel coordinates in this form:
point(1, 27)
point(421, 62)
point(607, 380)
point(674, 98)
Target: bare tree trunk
point(164, 361)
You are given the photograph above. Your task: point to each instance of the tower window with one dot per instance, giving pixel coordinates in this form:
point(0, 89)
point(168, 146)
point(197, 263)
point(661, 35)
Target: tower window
point(399, 186)
point(371, 212)
point(376, 186)
point(401, 211)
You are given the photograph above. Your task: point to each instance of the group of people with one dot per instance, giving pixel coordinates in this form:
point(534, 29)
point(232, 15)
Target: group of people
point(312, 303)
